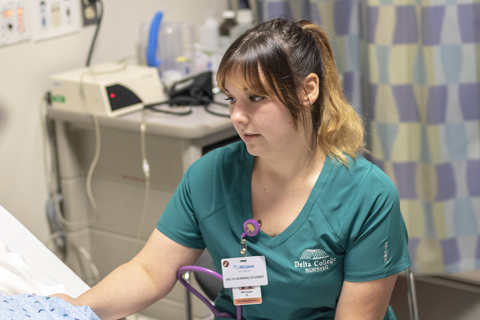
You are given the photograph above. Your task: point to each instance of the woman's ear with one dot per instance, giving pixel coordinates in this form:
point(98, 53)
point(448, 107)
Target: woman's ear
point(311, 89)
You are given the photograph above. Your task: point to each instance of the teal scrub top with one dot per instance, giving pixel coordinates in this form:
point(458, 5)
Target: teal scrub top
point(350, 228)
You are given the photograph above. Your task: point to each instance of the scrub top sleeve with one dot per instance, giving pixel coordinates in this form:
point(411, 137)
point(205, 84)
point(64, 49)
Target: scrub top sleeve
point(378, 242)
point(178, 221)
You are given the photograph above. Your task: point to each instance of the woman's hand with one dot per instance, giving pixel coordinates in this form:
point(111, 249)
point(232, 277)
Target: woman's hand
point(67, 298)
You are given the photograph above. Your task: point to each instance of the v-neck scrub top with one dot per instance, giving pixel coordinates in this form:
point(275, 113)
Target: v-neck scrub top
point(350, 228)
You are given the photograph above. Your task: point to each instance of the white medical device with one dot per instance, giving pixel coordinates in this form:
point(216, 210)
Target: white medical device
point(106, 89)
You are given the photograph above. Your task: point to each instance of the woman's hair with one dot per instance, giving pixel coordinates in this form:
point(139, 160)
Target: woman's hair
point(274, 58)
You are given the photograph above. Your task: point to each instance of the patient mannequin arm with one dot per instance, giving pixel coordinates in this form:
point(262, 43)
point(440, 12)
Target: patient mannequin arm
point(140, 282)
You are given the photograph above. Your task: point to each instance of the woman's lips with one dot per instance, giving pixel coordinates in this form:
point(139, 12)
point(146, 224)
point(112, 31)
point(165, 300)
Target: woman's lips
point(249, 137)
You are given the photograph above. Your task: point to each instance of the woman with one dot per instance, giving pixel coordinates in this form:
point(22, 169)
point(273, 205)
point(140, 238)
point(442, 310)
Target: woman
point(332, 233)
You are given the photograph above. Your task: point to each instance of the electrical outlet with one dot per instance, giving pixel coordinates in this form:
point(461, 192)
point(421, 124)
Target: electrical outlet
point(14, 27)
point(89, 12)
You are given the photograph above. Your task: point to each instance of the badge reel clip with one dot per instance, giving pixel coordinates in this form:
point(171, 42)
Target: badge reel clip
point(251, 228)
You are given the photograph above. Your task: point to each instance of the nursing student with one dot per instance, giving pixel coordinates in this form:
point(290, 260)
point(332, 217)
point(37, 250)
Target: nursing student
point(331, 234)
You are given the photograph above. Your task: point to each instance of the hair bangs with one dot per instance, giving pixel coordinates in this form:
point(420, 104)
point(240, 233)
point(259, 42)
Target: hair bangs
point(243, 65)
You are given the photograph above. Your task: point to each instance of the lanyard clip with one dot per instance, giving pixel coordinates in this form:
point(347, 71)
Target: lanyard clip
point(251, 228)
point(243, 247)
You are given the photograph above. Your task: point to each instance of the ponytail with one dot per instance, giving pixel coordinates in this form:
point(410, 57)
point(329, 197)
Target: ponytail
point(341, 130)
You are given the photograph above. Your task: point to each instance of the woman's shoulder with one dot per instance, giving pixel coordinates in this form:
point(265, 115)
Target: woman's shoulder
point(362, 174)
point(354, 190)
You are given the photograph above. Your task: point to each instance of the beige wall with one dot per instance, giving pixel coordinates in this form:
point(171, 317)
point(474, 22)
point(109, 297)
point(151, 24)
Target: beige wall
point(24, 78)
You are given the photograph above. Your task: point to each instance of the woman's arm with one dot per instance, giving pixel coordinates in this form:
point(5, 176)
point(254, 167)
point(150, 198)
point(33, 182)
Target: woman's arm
point(140, 282)
point(366, 300)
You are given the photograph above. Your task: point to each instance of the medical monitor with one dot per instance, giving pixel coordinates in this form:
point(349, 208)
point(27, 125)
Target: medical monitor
point(106, 89)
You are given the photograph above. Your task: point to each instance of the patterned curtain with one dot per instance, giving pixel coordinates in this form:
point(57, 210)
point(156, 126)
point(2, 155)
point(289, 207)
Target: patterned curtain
point(412, 69)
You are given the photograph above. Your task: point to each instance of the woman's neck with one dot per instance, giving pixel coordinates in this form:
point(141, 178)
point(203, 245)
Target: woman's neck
point(296, 166)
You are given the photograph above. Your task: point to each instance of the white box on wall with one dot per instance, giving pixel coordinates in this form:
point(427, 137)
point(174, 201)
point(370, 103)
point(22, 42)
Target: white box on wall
point(53, 18)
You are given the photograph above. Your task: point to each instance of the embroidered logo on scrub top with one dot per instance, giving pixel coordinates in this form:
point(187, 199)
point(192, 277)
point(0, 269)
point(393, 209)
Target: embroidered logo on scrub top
point(385, 252)
point(314, 260)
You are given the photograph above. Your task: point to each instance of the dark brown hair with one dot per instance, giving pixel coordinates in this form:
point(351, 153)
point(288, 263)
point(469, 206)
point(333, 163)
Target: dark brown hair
point(274, 58)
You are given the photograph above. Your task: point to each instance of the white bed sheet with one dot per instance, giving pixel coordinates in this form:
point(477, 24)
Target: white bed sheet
point(44, 266)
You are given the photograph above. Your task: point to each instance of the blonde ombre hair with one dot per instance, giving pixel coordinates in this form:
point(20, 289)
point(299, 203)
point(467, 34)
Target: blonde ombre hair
point(274, 58)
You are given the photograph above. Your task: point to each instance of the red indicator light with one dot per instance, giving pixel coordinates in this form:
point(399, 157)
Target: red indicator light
point(8, 13)
point(112, 95)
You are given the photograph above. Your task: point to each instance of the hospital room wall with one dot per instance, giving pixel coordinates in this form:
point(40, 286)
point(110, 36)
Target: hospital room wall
point(24, 79)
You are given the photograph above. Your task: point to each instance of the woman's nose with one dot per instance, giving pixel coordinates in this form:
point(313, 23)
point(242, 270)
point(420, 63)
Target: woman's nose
point(238, 113)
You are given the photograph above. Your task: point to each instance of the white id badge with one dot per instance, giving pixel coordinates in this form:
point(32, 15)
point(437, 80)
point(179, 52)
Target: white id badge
point(244, 272)
point(247, 295)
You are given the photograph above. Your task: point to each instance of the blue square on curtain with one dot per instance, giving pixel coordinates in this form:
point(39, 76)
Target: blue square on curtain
point(477, 255)
point(405, 177)
point(469, 22)
point(446, 184)
point(436, 104)
point(465, 218)
point(342, 13)
point(473, 177)
point(406, 28)
point(451, 253)
point(420, 73)
point(371, 99)
point(412, 249)
point(278, 9)
point(361, 21)
point(310, 12)
point(348, 84)
point(451, 56)
point(372, 23)
point(406, 103)
point(387, 133)
point(432, 21)
point(469, 97)
point(456, 139)
point(378, 163)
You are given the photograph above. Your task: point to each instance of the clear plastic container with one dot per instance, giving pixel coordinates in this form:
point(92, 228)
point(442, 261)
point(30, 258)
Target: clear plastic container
point(244, 22)
point(209, 32)
point(175, 46)
point(225, 27)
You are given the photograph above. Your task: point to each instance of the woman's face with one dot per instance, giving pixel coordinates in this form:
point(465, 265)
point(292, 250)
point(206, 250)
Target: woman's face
point(264, 124)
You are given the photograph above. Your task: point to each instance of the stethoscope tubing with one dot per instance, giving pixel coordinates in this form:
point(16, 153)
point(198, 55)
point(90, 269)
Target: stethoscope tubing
point(212, 273)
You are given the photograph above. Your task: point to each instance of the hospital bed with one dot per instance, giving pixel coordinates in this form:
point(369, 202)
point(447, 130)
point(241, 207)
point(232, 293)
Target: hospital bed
point(45, 268)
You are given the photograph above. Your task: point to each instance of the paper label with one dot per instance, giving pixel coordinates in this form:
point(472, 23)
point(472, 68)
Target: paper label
point(247, 295)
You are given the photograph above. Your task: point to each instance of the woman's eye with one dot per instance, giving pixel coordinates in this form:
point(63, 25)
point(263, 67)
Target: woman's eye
point(230, 100)
point(256, 98)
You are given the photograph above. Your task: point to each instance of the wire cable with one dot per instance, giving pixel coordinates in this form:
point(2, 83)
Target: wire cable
point(96, 156)
point(51, 177)
point(96, 32)
point(60, 237)
point(52, 187)
point(207, 109)
point(146, 172)
point(80, 252)
point(177, 113)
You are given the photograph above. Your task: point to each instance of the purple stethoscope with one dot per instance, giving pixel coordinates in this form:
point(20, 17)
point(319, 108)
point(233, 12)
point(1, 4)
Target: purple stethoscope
point(251, 227)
